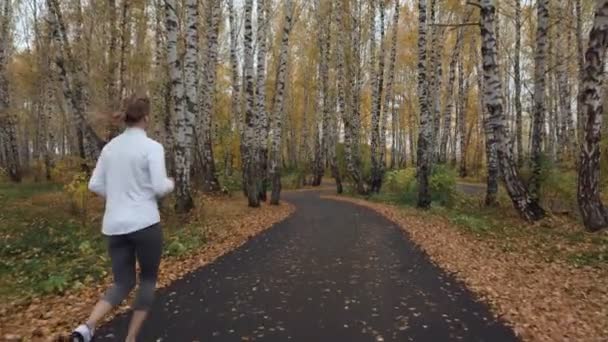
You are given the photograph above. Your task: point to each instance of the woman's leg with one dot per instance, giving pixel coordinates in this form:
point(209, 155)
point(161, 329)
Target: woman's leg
point(148, 247)
point(122, 254)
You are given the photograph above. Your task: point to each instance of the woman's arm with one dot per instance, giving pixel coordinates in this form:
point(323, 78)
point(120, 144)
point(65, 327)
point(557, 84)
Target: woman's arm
point(97, 184)
point(158, 172)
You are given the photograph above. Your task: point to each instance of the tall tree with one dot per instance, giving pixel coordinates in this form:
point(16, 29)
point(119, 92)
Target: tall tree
point(8, 124)
point(260, 99)
point(447, 115)
point(377, 126)
point(463, 91)
point(593, 211)
point(348, 90)
point(183, 91)
point(519, 139)
point(540, 67)
point(322, 142)
point(389, 99)
point(207, 96)
point(74, 82)
point(278, 107)
point(492, 99)
point(235, 99)
point(425, 135)
point(249, 153)
point(581, 119)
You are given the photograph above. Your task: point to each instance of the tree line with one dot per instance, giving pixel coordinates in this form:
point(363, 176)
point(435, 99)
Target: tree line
point(348, 89)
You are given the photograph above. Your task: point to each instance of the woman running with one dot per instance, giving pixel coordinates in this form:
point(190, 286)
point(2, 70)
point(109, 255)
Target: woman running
point(131, 176)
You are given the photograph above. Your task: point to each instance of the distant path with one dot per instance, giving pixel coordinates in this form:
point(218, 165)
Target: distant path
point(331, 272)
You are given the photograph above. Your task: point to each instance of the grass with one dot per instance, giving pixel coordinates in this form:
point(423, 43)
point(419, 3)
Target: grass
point(48, 247)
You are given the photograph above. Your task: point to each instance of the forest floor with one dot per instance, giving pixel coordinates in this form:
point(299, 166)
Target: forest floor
point(545, 279)
point(52, 254)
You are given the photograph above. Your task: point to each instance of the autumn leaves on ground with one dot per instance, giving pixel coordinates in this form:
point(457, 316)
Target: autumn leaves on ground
point(54, 264)
point(485, 114)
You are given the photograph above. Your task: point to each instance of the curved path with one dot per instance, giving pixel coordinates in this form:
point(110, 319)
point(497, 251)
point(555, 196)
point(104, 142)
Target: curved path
point(332, 271)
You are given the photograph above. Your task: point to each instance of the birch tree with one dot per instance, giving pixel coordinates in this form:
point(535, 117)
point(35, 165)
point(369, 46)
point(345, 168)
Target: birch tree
point(425, 135)
point(389, 99)
point(249, 153)
point(278, 108)
point(183, 91)
point(73, 79)
point(321, 148)
point(593, 211)
point(447, 115)
point(260, 96)
point(540, 66)
point(235, 99)
point(519, 139)
point(377, 126)
point(528, 207)
point(8, 129)
point(207, 96)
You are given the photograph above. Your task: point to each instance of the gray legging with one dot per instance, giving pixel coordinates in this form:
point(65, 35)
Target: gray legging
point(144, 245)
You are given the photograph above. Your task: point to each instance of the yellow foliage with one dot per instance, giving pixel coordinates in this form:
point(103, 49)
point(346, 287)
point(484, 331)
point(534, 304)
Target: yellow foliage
point(78, 193)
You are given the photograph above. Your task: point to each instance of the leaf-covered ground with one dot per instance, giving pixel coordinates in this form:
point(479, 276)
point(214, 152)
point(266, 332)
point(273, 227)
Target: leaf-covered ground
point(54, 264)
point(527, 278)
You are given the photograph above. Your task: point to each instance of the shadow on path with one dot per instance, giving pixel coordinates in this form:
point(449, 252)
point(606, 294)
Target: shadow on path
point(332, 271)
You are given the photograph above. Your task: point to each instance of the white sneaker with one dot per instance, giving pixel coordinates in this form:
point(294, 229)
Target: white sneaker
point(82, 334)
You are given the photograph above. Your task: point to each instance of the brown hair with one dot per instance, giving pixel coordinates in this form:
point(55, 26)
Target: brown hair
point(137, 108)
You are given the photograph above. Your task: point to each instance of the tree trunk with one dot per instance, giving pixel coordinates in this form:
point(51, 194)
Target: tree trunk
point(425, 135)
point(207, 95)
point(447, 115)
point(581, 119)
point(389, 99)
point(378, 130)
point(324, 54)
point(491, 144)
point(519, 138)
point(463, 91)
point(184, 96)
point(74, 81)
point(277, 108)
point(348, 89)
point(526, 206)
point(249, 153)
point(565, 136)
point(234, 67)
point(8, 121)
point(593, 211)
point(434, 64)
point(540, 67)
point(260, 99)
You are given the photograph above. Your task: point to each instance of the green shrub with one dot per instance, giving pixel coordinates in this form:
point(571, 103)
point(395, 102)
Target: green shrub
point(401, 186)
point(559, 189)
point(292, 179)
point(442, 184)
point(231, 183)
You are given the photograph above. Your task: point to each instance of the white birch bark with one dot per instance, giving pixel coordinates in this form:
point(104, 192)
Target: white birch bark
point(260, 96)
point(8, 121)
point(540, 68)
point(493, 103)
point(249, 153)
point(207, 96)
point(593, 211)
point(277, 107)
point(183, 91)
point(74, 82)
point(235, 99)
point(425, 135)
